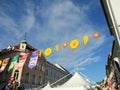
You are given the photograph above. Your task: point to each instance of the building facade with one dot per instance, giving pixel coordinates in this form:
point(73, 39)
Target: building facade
point(111, 81)
point(56, 74)
point(31, 78)
point(112, 15)
point(37, 77)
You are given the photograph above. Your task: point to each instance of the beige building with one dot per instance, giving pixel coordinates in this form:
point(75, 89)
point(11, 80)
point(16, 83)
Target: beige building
point(43, 72)
point(29, 77)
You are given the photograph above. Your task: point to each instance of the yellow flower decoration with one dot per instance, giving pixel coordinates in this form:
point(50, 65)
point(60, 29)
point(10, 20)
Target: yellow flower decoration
point(86, 39)
point(74, 43)
point(40, 53)
point(48, 52)
point(57, 47)
point(0, 62)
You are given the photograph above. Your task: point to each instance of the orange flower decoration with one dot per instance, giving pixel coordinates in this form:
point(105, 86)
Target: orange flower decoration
point(65, 44)
point(74, 43)
point(96, 35)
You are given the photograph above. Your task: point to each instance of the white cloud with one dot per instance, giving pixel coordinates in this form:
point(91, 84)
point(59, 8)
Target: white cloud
point(53, 24)
point(9, 30)
point(13, 29)
point(69, 21)
point(29, 21)
point(61, 19)
point(88, 61)
point(8, 23)
point(81, 56)
point(28, 18)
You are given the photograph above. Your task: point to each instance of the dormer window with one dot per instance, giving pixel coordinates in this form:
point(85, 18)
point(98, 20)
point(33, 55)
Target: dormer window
point(22, 46)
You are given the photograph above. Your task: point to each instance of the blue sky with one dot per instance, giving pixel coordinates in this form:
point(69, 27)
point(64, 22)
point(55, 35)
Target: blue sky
point(51, 22)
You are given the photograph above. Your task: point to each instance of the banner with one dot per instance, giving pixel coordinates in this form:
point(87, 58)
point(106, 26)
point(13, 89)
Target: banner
point(0, 62)
point(4, 64)
point(22, 61)
point(33, 59)
point(13, 62)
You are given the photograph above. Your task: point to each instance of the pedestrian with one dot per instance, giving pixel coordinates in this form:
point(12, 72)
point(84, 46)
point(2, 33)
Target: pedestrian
point(21, 87)
point(11, 84)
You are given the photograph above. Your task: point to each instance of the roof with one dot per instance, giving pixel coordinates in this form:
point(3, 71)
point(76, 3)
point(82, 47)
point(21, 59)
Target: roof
point(60, 67)
point(28, 46)
point(17, 48)
point(76, 82)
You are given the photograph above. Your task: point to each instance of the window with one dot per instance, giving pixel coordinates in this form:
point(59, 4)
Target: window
point(117, 65)
point(16, 74)
point(33, 79)
point(39, 81)
point(22, 46)
point(27, 77)
point(43, 69)
point(40, 66)
point(37, 66)
point(51, 74)
point(46, 72)
point(54, 75)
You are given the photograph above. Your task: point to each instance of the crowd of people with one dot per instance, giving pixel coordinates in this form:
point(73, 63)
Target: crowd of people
point(14, 85)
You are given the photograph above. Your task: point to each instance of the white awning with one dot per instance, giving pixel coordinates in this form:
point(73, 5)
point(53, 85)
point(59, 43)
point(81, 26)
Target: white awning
point(76, 82)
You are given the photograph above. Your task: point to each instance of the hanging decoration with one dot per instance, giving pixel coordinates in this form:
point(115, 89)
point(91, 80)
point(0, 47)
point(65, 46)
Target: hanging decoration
point(4, 64)
point(13, 62)
point(33, 59)
point(74, 43)
point(57, 48)
point(48, 52)
point(0, 62)
point(65, 44)
point(22, 61)
point(85, 39)
point(40, 53)
point(96, 35)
